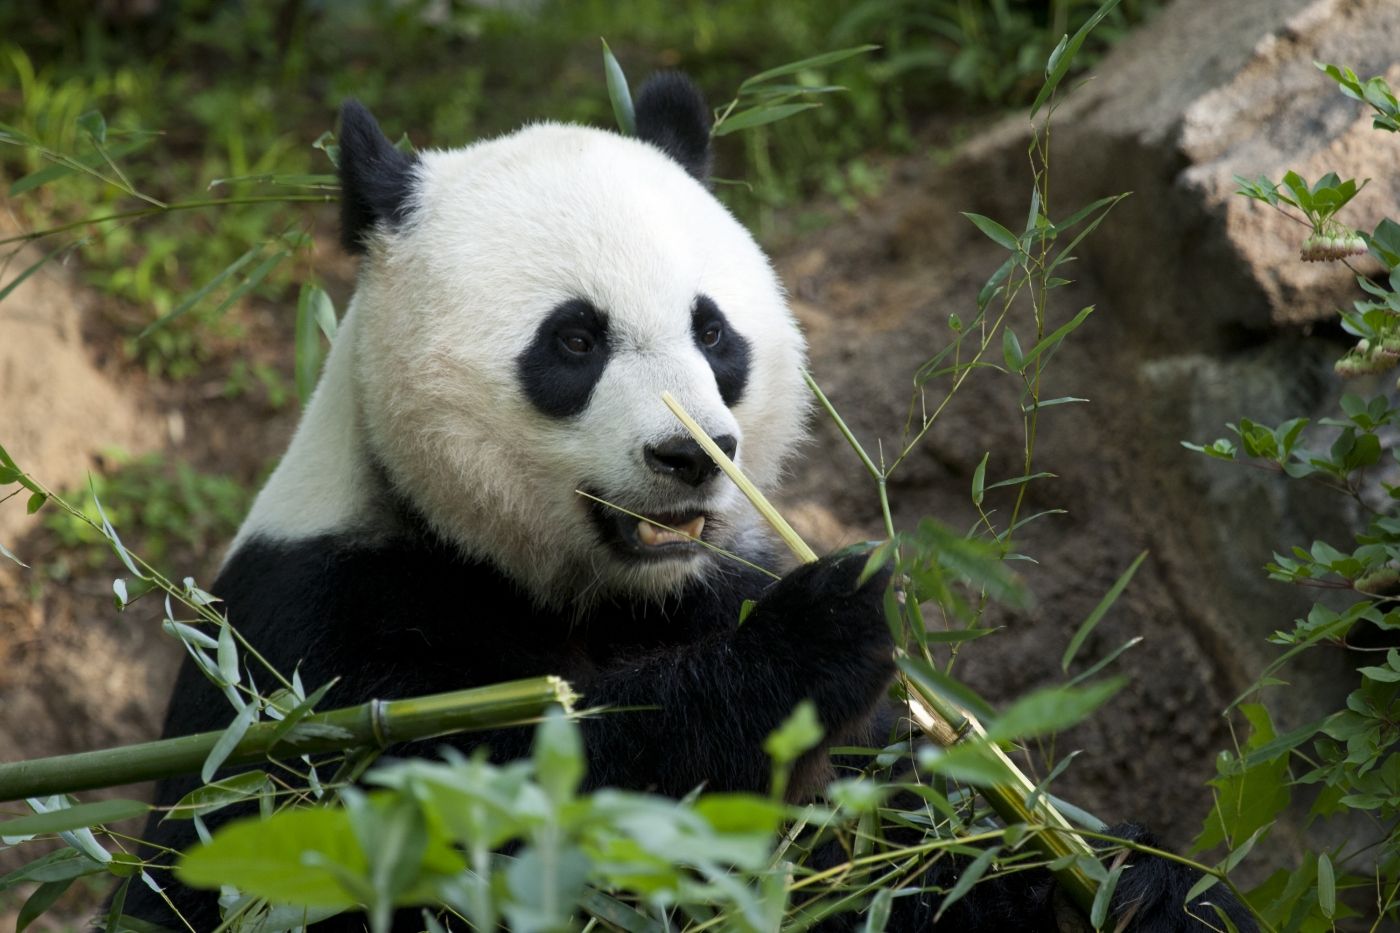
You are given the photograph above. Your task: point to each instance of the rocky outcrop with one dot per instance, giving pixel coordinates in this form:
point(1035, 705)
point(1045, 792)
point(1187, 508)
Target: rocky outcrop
point(1202, 318)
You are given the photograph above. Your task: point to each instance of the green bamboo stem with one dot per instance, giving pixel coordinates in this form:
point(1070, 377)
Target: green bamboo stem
point(376, 724)
point(940, 720)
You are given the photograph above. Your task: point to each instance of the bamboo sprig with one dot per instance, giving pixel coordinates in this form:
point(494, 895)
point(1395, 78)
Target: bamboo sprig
point(944, 722)
point(376, 724)
point(785, 531)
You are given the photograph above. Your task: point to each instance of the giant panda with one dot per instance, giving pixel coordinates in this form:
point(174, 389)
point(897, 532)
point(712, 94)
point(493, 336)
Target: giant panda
point(521, 305)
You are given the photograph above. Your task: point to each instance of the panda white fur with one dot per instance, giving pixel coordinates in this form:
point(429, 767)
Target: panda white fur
point(521, 305)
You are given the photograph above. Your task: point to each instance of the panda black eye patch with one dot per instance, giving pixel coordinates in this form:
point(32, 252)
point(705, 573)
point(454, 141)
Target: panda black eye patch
point(565, 360)
point(726, 351)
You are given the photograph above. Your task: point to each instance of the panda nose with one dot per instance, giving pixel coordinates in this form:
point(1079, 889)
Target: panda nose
point(684, 459)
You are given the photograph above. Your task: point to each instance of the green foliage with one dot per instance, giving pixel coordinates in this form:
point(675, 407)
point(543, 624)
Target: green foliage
point(163, 505)
point(1349, 760)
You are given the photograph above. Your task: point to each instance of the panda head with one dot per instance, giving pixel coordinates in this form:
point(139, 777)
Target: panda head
point(522, 304)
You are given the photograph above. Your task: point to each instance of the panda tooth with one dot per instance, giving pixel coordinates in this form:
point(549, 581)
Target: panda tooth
point(652, 535)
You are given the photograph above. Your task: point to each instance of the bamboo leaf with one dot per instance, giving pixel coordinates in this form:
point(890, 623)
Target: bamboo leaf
point(10, 555)
point(29, 270)
point(1098, 913)
point(253, 280)
point(205, 800)
point(312, 313)
point(113, 539)
point(618, 93)
point(95, 125)
point(970, 876)
point(1060, 333)
point(228, 741)
point(228, 655)
point(816, 61)
point(115, 912)
point(76, 817)
point(1018, 480)
point(994, 231)
point(979, 477)
point(1326, 887)
point(758, 116)
point(1100, 610)
point(1106, 660)
point(70, 165)
point(40, 901)
point(1011, 351)
point(1202, 885)
point(202, 292)
point(877, 916)
point(1063, 56)
point(302, 710)
point(1051, 709)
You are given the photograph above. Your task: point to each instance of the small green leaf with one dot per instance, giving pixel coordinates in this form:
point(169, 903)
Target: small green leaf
point(271, 858)
point(1011, 351)
point(202, 292)
point(10, 555)
point(799, 733)
point(994, 231)
point(877, 915)
point(76, 817)
point(1095, 617)
point(36, 502)
point(233, 789)
point(806, 64)
point(1103, 897)
point(1326, 887)
point(18, 280)
point(41, 900)
point(558, 754)
point(970, 876)
point(979, 477)
point(228, 655)
point(759, 116)
point(618, 93)
point(1050, 710)
point(94, 125)
point(228, 741)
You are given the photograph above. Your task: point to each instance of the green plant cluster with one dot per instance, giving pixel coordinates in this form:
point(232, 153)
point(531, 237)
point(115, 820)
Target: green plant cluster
point(1348, 762)
point(168, 505)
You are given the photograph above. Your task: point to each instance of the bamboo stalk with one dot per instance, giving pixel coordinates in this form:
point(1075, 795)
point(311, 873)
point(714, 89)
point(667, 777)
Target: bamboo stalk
point(945, 723)
point(376, 724)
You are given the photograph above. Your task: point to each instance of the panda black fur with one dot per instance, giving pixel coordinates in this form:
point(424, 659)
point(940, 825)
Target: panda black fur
point(521, 305)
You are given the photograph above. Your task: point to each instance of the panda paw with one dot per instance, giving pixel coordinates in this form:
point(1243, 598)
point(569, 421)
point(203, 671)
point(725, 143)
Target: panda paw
point(1151, 897)
point(828, 626)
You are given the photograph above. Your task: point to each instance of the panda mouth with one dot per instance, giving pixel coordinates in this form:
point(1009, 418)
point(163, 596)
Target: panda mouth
point(655, 536)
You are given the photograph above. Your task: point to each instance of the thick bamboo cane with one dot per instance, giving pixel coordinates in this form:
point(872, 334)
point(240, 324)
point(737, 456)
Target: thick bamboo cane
point(376, 724)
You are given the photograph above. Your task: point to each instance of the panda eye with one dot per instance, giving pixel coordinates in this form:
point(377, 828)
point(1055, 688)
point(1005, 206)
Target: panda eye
point(577, 342)
point(711, 334)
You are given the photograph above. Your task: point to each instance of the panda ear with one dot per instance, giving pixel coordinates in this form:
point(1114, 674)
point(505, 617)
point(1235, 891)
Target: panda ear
point(672, 116)
point(375, 178)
